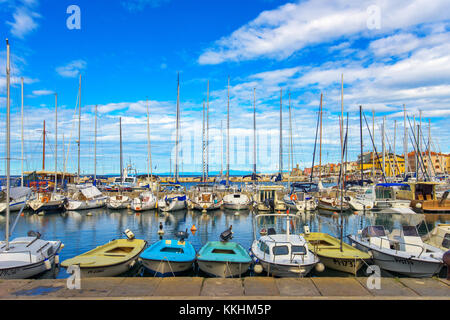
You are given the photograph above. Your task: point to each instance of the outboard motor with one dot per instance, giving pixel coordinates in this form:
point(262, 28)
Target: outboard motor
point(227, 234)
point(182, 235)
point(32, 233)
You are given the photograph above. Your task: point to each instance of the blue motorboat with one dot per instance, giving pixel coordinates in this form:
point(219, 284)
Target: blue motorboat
point(169, 257)
point(222, 258)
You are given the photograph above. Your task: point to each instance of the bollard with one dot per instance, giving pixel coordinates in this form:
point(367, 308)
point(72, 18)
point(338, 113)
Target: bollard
point(446, 259)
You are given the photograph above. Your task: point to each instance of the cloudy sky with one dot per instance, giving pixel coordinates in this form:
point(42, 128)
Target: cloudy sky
point(389, 53)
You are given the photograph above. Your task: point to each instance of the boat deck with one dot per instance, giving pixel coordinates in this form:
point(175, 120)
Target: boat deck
point(196, 288)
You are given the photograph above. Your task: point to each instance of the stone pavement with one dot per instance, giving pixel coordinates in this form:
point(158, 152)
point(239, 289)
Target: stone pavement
point(196, 288)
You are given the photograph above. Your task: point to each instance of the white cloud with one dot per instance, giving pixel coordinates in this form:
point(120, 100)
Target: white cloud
point(280, 32)
point(72, 69)
point(42, 92)
point(24, 22)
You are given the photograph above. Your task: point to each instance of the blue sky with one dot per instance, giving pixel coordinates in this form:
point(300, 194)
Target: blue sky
point(130, 51)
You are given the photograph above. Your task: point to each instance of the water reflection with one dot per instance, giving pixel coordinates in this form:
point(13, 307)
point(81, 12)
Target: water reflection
point(82, 231)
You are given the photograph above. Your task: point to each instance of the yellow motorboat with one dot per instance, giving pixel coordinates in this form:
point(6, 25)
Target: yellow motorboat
point(328, 249)
point(439, 237)
point(109, 260)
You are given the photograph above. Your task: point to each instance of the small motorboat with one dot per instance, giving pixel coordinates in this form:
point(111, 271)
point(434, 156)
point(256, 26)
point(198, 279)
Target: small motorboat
point(223, 259)
point(169, 257)
point(18, 198)
point(439, 237)
point(26, 257)
point(301, 197)
point(47, 202)
point(282, 254)
point(118, 202)
point(401, 251)
point(332, 204)
point(109, 260)
point(86, 198)
point(335, 254)
point(205, 199)
point(236, 201)
point(146, 201)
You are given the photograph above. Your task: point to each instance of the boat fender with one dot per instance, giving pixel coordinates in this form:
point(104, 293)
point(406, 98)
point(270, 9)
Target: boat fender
point(47, 264)
point(418, 205)
point(306, 229)
point(132, 263)
point(193, 228)
point(258, 268)
point(56, 258)
point(320, 267)
point(61, 247)
point(129, 234)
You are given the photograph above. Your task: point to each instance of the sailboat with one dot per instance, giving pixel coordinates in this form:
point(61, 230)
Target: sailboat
point(23, 257)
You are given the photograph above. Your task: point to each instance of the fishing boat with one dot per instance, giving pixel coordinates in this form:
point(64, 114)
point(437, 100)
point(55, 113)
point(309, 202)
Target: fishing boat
point(423, 197)
point(146, 201)
point(301, 197)
point(223, 258)
point(401, 251)
point(169, 257)
point(26, 257)
point(439, 237)
point(86, 198)
point(335, 254)
point(236, 201)
point(18, 198)
point(47, 202)
point(269, 198)
point(118, 202)
point(109, 260)
point(204, 198)
point(282, 254)
point(333, 204)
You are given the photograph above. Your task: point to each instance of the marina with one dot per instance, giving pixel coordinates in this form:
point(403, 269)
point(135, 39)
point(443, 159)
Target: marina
point(295, 195)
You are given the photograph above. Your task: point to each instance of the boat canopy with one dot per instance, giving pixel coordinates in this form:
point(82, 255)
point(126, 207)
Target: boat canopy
point(91, 192)
point(305, 187)
point(403, 185)
point(19, 192)
point(374, 231)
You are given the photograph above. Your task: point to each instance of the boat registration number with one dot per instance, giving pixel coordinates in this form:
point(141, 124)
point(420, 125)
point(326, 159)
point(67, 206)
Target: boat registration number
point(344, 263)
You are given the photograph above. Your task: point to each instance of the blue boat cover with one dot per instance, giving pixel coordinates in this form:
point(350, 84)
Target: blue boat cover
point(393, 185)
point(223, 251)
point(170, 250)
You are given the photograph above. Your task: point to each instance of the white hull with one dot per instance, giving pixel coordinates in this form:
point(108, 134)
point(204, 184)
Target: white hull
point(308, 205)
point(223, 269)
point(412, 267)
point(288, 270)
point(174, 205)
point(143, 206)
point(236, 206)
point(207, 206)
point(117, 203)
point(86, 204)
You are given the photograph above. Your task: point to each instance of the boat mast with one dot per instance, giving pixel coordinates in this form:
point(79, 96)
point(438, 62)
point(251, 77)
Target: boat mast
point(56, 143)
point(405, 142)
point(254, 134)
point(221, 149)
point(203, 143)
point(21, 81)
point(228, 133)
point(341, 122)
point(281, 136)
point(149, 150)
point(43, 150)
point(415, 148)
point(373, 149)
point(361, 140)
point(320, 144)
point(8, 75)
point(383, 146)
point(291, 155)
point(79, 126)
point(95, 148)
point(177, 124)
point(207, 134)
point(395, 154)
point(121, 163)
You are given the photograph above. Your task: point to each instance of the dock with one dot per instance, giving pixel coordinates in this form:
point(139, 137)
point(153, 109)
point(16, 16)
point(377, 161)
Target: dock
point(248, 288)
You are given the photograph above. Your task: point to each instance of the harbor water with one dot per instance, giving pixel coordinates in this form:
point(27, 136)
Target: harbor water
point(81, 231)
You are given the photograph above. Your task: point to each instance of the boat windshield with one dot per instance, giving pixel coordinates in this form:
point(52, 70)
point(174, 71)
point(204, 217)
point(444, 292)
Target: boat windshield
point(298, 249)
point(129, 180)
point(374, 231)
point(117, 180)
point(410, 231)
point(280, 250)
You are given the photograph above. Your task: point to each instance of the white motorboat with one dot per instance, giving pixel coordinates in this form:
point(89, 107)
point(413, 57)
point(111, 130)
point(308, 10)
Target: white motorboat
point(282, 254)
point(118, 202)
point(146, 201)
point(384, 196)
point(402, 251)
point(301, 197)
point(86, 198)
point(28, 256)
point(236, 201)
point(204, 198)
point(439, 237)
point(18, 198)
point(46, 201)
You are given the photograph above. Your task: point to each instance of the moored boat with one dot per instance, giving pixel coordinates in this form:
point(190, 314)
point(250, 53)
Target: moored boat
point(118, 202)
point(110, 259)
point(86, 198)
point(146, 201)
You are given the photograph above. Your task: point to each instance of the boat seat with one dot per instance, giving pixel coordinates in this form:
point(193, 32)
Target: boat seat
point(420, 196)
point(380, 242)
point(428, 197)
